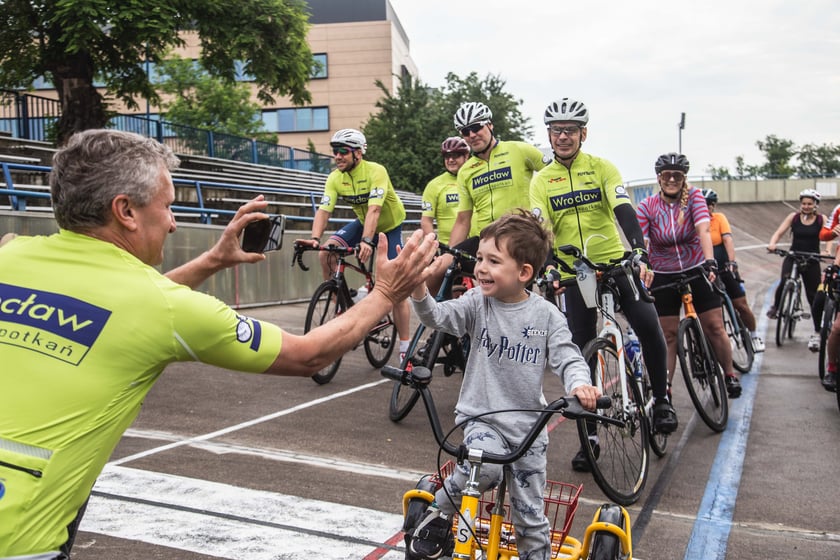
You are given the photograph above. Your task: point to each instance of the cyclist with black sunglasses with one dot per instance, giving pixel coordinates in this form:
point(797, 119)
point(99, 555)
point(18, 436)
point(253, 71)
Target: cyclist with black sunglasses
point(367, 188)
point(492, 182)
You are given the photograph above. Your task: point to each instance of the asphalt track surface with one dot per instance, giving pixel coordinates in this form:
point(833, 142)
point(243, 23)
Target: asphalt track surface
point(227, 465)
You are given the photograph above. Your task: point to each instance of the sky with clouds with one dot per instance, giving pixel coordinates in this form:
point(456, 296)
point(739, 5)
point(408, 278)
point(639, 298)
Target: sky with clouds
point(740, 69)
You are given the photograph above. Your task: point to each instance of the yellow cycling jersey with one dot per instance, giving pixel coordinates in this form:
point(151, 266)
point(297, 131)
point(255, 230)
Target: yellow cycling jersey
point(492, 188)
point(578, 203)
point(440, 202)
point(366, 184)
point(91, 327)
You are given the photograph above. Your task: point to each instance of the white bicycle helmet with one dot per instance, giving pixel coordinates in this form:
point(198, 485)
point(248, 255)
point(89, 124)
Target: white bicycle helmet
point(349, 137)
point(566, 109)
point(810, 193)
point(471, 113)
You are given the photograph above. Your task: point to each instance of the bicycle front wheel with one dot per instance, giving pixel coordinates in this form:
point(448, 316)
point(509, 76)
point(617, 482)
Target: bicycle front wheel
point(606, 545)
point(783, 324)
point(380, 341)
point(403, 397)
point(326, 303)
point(825, 330)
point(618, 455)
point(739, 338)
point(702, 374)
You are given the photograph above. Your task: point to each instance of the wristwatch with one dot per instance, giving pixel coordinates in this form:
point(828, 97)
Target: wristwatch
point(369, 241)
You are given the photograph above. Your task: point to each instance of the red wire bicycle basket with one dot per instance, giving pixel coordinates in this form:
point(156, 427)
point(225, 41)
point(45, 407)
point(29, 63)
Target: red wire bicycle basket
point(561, 503)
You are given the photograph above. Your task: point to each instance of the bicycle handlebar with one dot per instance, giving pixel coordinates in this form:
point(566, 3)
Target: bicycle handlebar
point(457, 253)
point(419, 378)
point(297, 257)
point(627, 264)
point(802, 256)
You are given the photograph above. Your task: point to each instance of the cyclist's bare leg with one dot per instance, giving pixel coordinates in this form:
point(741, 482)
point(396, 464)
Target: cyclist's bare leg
point(669, 324)
point(402, 318)
point(712, 323)
point(327, 260)
point(742, 307)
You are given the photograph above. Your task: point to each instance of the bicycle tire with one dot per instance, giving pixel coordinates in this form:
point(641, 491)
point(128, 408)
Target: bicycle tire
point(796, 310)
point(326, 303)
point(380, 342)
point(605, 545)
point(658, 441)
point(702, 374)
point(621, 467)
point(825, 329)
point(785, 310)
point(403, 397)
point(740, 341)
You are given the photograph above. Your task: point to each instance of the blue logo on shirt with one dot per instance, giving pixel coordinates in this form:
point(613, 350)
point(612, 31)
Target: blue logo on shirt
point(574, 199)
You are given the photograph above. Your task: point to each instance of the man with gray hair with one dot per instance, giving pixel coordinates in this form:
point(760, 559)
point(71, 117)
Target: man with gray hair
point(87, 325)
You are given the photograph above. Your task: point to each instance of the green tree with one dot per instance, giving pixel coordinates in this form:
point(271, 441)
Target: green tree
point(73, 42)
point(777, 152)
point(200, 100)
point(406, 132)
point(719, 173)
point(818, 161)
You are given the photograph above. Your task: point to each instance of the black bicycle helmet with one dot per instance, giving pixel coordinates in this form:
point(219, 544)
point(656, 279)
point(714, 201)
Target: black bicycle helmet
point(671, 162)
point(710, 195)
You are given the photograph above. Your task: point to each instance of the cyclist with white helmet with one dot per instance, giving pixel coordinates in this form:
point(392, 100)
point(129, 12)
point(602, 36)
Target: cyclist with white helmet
point(492, 182)
point(675, 223)
point(724, 250)
point(804, 227)
point(440, 197)
point(367, 188)
point(580, 197)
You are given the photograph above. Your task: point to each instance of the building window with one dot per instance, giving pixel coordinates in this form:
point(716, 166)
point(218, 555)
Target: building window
point(305, 119)
point(321, 72)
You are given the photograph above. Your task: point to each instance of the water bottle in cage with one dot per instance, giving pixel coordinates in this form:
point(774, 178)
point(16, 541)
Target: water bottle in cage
point(634, 351)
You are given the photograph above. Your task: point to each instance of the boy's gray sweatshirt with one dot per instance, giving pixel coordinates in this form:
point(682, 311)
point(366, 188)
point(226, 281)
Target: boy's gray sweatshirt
point(511, 346)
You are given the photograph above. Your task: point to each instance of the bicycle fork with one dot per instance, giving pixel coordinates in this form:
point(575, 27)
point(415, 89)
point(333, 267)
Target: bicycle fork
point(465, 531)
point(610, 329)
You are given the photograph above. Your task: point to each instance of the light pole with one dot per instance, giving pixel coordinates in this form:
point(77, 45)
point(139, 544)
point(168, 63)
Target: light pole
point(681, 126)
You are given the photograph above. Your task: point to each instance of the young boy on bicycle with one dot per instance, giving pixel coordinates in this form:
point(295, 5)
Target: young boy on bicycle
point(516, 334)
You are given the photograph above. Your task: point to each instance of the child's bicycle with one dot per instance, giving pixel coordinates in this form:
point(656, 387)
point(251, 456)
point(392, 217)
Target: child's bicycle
point(483, 528)
point(333, 297)
point(439, 348)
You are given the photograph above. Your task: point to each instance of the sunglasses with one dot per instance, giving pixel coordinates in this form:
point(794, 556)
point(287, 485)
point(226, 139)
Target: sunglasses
point(343, 151)
point(472, 129)
point(668, 176)
point(454, 155)
point(567, 130)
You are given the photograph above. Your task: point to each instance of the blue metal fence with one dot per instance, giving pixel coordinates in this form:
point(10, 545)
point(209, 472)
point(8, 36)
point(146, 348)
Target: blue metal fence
point(31, 117)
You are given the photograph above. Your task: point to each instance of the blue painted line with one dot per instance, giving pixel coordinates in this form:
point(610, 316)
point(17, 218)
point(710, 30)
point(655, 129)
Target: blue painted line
point(710, 534)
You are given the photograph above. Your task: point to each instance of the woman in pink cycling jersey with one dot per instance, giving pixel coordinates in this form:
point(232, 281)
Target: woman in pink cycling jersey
point(675, 223)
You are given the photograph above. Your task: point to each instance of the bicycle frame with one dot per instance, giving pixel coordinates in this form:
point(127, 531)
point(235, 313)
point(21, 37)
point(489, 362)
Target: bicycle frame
point(465, 532)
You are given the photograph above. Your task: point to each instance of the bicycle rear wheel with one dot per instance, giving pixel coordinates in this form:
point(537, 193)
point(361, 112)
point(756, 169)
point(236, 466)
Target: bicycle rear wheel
point(326, 303)
point(702, 374)
point(783, 324)
point(739, 338)
point(825, 329)
point(380, 341)
point(620, 463)
point(605, 545)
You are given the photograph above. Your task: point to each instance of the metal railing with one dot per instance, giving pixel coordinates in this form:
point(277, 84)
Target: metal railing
point(31, 117)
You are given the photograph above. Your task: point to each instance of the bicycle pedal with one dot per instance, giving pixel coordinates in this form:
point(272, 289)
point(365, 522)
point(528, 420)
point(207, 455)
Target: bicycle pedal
point(804, 315)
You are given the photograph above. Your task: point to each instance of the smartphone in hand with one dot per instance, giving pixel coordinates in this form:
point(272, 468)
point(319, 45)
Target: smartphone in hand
point(264, 235)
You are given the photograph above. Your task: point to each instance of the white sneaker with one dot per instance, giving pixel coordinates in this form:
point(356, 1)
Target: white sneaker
point(758, 344)
point(814, 343)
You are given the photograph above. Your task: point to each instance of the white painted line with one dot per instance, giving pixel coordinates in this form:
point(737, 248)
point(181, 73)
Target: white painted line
point(365, 469)
point(247, 424)
point(230, 522)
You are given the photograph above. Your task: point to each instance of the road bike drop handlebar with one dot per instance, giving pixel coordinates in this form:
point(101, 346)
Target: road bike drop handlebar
point(419, 379)
point(627, 265)
point(297, 257)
